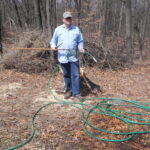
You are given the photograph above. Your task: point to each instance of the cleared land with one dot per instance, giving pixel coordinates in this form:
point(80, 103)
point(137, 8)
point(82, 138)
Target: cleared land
point(59, 126)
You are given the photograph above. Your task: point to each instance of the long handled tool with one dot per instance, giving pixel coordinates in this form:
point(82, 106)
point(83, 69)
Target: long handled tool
point(39, 49)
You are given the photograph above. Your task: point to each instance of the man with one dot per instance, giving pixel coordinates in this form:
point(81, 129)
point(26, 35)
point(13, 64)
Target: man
point(69, 38)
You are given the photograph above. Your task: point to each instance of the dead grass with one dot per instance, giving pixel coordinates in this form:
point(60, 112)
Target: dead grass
point(59, 126)
point(27, 61)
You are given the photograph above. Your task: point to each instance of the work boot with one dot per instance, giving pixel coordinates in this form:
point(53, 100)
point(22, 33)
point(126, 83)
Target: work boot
point(67, 95)
point(78, 97)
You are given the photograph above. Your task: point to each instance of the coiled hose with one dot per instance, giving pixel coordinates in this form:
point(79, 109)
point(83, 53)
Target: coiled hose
point(104, 106)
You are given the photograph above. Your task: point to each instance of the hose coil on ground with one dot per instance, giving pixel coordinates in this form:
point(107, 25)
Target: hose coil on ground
point(104, 106)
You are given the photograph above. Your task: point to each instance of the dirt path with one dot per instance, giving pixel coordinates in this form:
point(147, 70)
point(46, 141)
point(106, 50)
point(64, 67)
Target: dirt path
point(59, 127)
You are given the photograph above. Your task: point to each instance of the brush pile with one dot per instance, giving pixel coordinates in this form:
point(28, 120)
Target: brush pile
point(29, 61)
point(40, 61)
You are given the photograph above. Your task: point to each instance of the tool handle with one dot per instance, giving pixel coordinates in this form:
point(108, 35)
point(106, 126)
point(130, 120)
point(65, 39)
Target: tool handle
point(44, 49)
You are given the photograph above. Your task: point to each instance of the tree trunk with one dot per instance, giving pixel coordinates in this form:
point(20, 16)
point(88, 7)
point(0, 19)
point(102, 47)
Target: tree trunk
point(43, 14)
point(129, 31)
point(142, 31)
point(1, 47)
point(37, 13)
point(51, 21)
point(17, 13)
point(78, 5)
point(53, 14)
point(102, 5)
point(66, 5)
point(48, 17)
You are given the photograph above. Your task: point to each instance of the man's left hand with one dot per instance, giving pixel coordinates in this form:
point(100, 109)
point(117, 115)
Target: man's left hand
point(82, 51)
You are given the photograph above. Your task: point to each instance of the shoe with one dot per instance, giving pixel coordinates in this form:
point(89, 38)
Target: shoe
point(67, 95)
point(79, 97)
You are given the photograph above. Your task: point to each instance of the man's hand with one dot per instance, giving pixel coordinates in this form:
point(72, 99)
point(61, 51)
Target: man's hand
point(53, 48)
point(82, 51)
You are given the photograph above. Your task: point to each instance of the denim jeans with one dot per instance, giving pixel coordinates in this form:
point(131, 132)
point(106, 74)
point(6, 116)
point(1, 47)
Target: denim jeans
point(71, 77)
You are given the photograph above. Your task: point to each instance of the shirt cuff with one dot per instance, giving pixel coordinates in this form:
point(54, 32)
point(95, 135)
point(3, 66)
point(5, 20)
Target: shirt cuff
point(80, 46)
point(53, 45)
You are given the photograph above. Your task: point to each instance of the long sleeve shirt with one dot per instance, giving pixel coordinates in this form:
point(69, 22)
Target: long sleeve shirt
point(70, 40)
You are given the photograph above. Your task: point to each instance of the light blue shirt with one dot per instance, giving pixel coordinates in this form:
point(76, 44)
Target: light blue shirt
point(69, 39)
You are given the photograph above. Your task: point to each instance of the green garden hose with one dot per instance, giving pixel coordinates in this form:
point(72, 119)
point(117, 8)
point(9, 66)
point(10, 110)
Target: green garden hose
point(104, 106)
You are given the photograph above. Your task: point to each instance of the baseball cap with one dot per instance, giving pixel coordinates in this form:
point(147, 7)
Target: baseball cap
point(67, 14)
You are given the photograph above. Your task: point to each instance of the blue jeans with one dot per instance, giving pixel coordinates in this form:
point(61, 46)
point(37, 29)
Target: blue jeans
point(71, 77)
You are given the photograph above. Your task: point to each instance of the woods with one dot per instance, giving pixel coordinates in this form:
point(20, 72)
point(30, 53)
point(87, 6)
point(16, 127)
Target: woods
point(113, 26)
point(108, 85)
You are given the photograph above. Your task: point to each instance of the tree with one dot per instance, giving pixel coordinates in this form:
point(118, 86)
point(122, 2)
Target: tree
point(43, 13)
point(1, 47)
point(48, 17)
point(78, 6)
point(51, 20)
point(129, 31)
point(51, 15)
point(142, 28)
point(37, 13)
point(17, 13)
point(103, 7)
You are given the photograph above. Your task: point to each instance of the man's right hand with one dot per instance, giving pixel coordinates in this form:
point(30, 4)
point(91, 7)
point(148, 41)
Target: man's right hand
point(53, 48)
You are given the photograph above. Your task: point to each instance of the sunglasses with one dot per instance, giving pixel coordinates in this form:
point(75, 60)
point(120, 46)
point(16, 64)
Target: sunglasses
point(69, 18)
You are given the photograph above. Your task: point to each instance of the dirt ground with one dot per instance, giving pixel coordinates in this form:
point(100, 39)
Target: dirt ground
point(58, 127)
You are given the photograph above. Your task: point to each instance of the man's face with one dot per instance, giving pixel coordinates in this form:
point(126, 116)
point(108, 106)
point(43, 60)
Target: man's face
point(67, 21)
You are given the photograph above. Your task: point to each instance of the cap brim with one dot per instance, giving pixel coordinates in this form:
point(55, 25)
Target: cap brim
point(68, 17)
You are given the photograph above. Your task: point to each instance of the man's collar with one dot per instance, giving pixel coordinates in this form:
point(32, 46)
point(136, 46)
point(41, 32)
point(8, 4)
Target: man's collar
point(65, 26)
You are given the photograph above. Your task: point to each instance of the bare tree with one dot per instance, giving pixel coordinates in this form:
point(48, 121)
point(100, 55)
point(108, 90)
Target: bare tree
point(51, 15)
point(51, 20)
point(14, 3)
point(142, 28)
point(43, 13)
point(102, 11)
point(48, 17)
point(37, 13)
point(129, 31)
point(1, 47)
point(78, 6)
